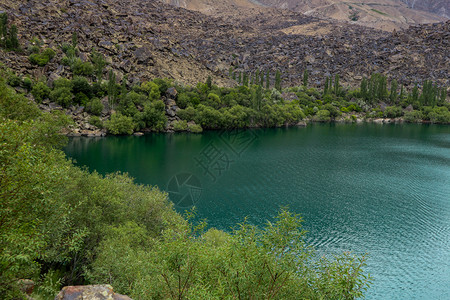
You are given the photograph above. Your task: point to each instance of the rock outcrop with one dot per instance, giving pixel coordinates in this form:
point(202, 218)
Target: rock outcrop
point(89, 292)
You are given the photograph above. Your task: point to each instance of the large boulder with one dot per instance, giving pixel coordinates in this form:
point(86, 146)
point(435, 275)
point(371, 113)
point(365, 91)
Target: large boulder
point(89, 292)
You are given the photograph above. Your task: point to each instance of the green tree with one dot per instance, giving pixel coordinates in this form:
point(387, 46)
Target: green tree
point(394, 91)
point(120, 124)
point(209, 82)
point(363, 88)
point(337, 87)
point(99, 62)
point(268, 79)
point(278, 80)
point(305, 78)
point(245, 79)
point(112, 89)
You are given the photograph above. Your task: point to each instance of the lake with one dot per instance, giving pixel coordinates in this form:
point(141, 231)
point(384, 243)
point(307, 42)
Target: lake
point(380, 189)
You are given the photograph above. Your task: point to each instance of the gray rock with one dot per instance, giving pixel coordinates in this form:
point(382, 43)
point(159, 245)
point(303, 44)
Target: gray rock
point(89, 292)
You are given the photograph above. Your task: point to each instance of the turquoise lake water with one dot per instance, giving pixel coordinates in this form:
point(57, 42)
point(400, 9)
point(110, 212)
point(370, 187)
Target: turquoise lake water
point(380, 189)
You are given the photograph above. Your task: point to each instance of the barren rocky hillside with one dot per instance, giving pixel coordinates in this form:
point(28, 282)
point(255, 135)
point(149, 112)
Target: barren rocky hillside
point(439, 7)
point(380, 14)
point(147, 39)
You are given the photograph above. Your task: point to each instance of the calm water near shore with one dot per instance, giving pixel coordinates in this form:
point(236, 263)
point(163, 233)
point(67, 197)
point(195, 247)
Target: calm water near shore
point(380, 189)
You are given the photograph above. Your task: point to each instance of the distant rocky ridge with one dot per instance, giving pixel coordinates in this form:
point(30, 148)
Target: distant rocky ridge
point(381, 14)
point(439, 7)
point(146, 39)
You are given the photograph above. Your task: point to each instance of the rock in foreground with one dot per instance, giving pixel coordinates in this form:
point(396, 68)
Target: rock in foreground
point(89, 292)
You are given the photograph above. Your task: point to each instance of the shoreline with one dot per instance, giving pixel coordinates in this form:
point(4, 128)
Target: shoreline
point(103, 133)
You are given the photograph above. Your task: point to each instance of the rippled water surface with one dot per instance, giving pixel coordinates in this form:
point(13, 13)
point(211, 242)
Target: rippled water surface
point(381, 189)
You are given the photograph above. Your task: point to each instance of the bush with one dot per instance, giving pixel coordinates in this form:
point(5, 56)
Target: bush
point(180, 125)
point(152, 90)
point(154, 115)
point(322, 116)
point(393, 112)
point(14, 80)
point(440, 115)
point(187, 262)
point(95, 106)
point(120, 124)
point(62, 95)
point(62, 83)
point(41, 59)
point(195, 128)
point(40, 91)
point(413, 116)
point(82, 68)
point(27, 83)
point(81, 85)
point(96, 121)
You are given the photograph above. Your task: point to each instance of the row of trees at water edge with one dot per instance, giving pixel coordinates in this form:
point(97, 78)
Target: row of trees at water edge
point(61, 225)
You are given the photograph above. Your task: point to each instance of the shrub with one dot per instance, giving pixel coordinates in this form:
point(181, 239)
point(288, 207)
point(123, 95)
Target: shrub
point(322, 116)
point(40, 91)
point(82, 68)
point(413, 116)
point(27, 83)
point(81, 85)
point(14, 80)
point(96, 121)
point(95, 106)
point(120, 124)
point(440, 115)
point(152, 90)
point(180, 125)
point(62, 95)
point(154, 115)
point(195, 128)
point(393, 112)
point(62, 83)
point(41, 59)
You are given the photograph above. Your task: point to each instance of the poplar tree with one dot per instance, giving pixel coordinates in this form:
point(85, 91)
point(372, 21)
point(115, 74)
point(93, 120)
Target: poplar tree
point(245, 79)
point(268, 79)
point(336, 85)
point(305, 78)
point(394, 91)
point(326, 87)
point(278, 80)
point(363, 88)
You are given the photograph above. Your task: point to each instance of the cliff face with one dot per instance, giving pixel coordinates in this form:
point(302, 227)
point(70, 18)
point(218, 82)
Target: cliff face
point(146, 39)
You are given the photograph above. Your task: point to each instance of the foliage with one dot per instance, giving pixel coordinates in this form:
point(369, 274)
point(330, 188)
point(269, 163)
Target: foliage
point(180, 126)
point(96, 121)
point(413, 116)
point(187, 262)
point(120, 124)
point(82, 68)
point(195, 128)
point(8, 34)
point(41, 59)
point(94, 106)
point(62, 95)
point(393, 112)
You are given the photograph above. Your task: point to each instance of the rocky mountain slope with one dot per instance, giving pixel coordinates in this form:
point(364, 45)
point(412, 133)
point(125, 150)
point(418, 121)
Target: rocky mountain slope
point(381, 14)
point(439, 7)
point(147, 39)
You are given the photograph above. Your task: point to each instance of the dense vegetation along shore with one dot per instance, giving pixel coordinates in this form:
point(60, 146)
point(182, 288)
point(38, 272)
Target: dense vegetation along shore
point(61, 225)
